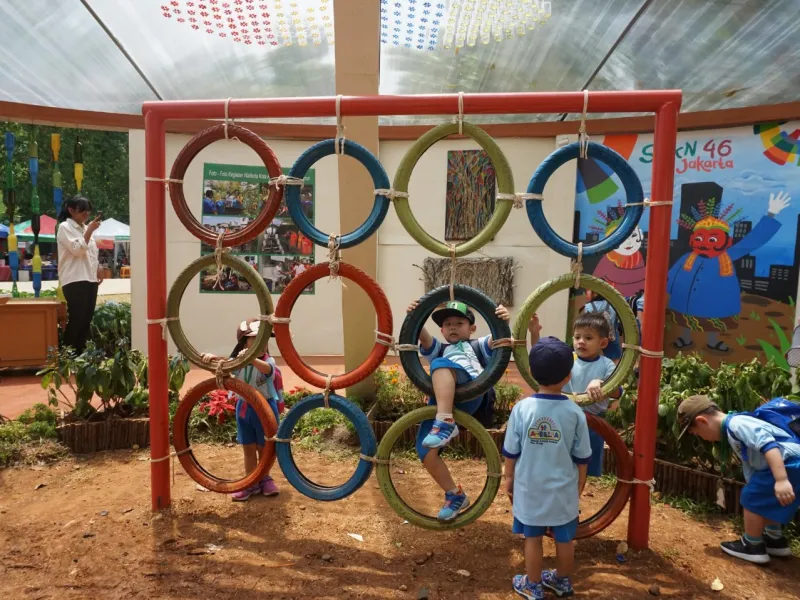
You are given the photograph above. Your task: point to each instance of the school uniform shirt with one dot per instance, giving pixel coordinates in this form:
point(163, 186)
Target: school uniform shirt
point(759, 437)
point(263, 383)
point(461, 354)
point(584, 371)
point(77, 259)
point(548, 436)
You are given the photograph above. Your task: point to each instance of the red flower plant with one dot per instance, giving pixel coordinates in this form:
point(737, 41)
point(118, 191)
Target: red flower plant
point(218, 405)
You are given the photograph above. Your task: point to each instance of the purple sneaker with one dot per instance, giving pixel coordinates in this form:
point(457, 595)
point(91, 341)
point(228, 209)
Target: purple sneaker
point(244, 495)
point(268, 487)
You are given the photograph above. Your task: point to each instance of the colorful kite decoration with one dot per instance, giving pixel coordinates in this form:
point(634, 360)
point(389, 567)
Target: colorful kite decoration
point(781, 147)
point(710, 214)
point(595, 178)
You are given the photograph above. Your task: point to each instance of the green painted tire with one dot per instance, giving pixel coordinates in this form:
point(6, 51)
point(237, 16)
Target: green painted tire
point(174, 309)
point(630, 332)
point(505, 185)
point(476, 509)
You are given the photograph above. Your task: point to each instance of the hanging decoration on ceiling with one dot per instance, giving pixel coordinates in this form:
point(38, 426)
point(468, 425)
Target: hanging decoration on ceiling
point(265, 23)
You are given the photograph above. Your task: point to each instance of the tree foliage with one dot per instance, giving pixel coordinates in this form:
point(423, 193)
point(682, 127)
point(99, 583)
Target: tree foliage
point(105, 170)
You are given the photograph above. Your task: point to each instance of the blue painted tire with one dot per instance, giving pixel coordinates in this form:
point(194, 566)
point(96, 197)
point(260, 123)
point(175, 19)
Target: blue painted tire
point(379, 179)
point(365, 435)
point(633, 193)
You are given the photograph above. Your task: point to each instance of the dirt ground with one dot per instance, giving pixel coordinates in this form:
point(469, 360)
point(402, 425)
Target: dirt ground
point(89, 533)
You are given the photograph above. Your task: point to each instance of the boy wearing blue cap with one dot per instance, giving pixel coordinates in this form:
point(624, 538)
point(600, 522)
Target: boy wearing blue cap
point(546, 451)
point(457, 361)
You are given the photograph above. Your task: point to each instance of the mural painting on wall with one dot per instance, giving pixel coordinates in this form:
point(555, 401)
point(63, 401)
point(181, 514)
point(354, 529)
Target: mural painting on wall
point(735, 237)
point(233, 195)
point(470, 193)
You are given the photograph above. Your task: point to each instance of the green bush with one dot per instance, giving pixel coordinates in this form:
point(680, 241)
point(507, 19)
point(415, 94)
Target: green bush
point(111, 327)
point(15, 436)
point(38, 413)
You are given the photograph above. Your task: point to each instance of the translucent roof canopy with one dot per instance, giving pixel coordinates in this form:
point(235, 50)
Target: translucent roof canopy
point(112, 55)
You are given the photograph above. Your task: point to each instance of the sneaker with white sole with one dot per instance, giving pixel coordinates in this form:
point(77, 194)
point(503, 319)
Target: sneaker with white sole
point(777, 546)
point(741, 548)
point(560, 586)
point(441, 433)
point(244, 495)
point(454, 503)
point(530, 591)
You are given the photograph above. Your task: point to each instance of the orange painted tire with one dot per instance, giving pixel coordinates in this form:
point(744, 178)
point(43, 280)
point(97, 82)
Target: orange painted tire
point(180, 435)
point(184, 159)
point(284, 338)
point(619, 498)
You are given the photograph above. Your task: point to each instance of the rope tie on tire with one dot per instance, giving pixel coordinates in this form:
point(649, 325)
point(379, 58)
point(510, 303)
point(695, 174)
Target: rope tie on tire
point(647, 202)
point(583, 137)
point(508, 342)
point(651, 483)
point(577, 266)
point(218, 252)
point(643, 352)
point(459, 118)
point(452, 249)
point(326, 394)
point(172, 455)
point(272, 319)
point(386, 339)
point(165, 180)
point(519, 198)
point(278, 440)
point(163, 322)
point(334, 256)
point(284, 180)
point(339, 139)
point(374, 460)
point(391, 193)
point(228, 121)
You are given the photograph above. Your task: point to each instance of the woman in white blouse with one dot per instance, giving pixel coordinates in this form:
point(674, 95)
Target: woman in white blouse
point(78, 268)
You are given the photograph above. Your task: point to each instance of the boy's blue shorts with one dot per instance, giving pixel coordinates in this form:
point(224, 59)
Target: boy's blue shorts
point(758, 496)
point(469, 407)
point(597, 443)
point(248, 426)
point(562, 534)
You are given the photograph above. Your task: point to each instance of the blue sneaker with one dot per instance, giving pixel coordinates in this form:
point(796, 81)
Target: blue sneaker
point(454, 503)
point(441, 433)
point(561, 586)
point(531, 591)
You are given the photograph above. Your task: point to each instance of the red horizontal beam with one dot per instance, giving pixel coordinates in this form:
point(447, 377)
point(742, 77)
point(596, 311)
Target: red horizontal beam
point(325, 106)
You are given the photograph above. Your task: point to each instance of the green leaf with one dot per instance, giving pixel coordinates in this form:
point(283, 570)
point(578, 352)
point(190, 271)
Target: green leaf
point(774, 354)
point(784, 341)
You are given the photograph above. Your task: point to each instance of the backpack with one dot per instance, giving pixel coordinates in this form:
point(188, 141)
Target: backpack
point(277, 380)
point(778, 412)
point(485, 412)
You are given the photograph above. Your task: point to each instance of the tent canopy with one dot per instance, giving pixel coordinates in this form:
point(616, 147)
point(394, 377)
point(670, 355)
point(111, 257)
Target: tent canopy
point(722, 54)
point(47, 230)
point(3, 231)
point(114, 230)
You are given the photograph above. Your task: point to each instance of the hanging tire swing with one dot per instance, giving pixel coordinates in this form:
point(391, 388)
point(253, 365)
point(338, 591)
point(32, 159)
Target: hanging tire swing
point(633, 194)
point(481, 503)
point(505, 185)
point(180, 435)
point(174, 308)
point(365, 435)
point(622, 490)
point(379, 179)
point(184, 159)
point(283, 335)
point(630, 331)
point(415, 321)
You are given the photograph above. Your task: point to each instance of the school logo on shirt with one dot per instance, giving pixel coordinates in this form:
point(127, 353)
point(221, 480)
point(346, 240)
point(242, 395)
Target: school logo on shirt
point(544, 430)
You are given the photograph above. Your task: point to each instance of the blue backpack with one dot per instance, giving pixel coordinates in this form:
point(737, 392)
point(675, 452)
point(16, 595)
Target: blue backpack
point(781, 413)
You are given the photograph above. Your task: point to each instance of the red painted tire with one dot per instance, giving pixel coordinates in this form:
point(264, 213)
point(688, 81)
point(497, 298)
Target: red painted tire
point(619, 498)
point(180, 435)
point(184, 159)
point(284, 338)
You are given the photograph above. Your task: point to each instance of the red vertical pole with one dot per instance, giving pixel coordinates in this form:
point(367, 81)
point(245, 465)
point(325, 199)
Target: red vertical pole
point(655, 297)
point(155, 218)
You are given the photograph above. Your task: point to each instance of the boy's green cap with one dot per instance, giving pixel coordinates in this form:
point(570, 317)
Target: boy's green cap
point(454, 308)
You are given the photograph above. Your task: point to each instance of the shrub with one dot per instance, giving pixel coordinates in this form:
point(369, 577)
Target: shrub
point(111, 327)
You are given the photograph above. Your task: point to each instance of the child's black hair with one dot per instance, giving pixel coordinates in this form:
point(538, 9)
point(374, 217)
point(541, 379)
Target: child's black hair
point(241, 344)
point(76, 202)
point(595, 321)
point(209, 194)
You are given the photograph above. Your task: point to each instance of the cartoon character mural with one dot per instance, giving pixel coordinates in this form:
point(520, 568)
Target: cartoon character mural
point(624, 267)
point(734, 251)
point(703, 289)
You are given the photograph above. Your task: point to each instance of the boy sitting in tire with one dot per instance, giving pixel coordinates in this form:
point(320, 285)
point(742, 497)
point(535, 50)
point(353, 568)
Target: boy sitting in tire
point(767, 441)
point(458, 361)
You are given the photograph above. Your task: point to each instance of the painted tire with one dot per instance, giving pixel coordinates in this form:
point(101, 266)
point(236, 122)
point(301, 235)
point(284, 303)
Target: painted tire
point(624, 313)
point(184, 159)
point(626, 174)
point(379, 179)
point(619, 498)
point(415, 321)
point(505, 185)
point(475, 510)
point(283, 335)
point(365, 435)
point(174, 308)
point(180, 435)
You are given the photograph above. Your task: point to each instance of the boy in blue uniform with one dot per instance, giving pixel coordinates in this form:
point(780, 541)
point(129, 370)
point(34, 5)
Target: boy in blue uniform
point(452, 363)
point(771, 466)
point(590, 333)
point(546, 451)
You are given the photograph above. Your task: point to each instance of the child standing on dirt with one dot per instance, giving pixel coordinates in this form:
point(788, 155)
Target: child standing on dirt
point(453, 363)
point(546, 452)
point(590, 368)
point(264, 375)
point(767, 442)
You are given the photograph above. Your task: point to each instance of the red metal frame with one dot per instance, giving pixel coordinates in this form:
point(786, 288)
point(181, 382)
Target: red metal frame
point(664, 103)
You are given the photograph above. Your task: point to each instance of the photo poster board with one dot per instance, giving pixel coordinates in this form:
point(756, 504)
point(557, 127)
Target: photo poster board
point(233, 195)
